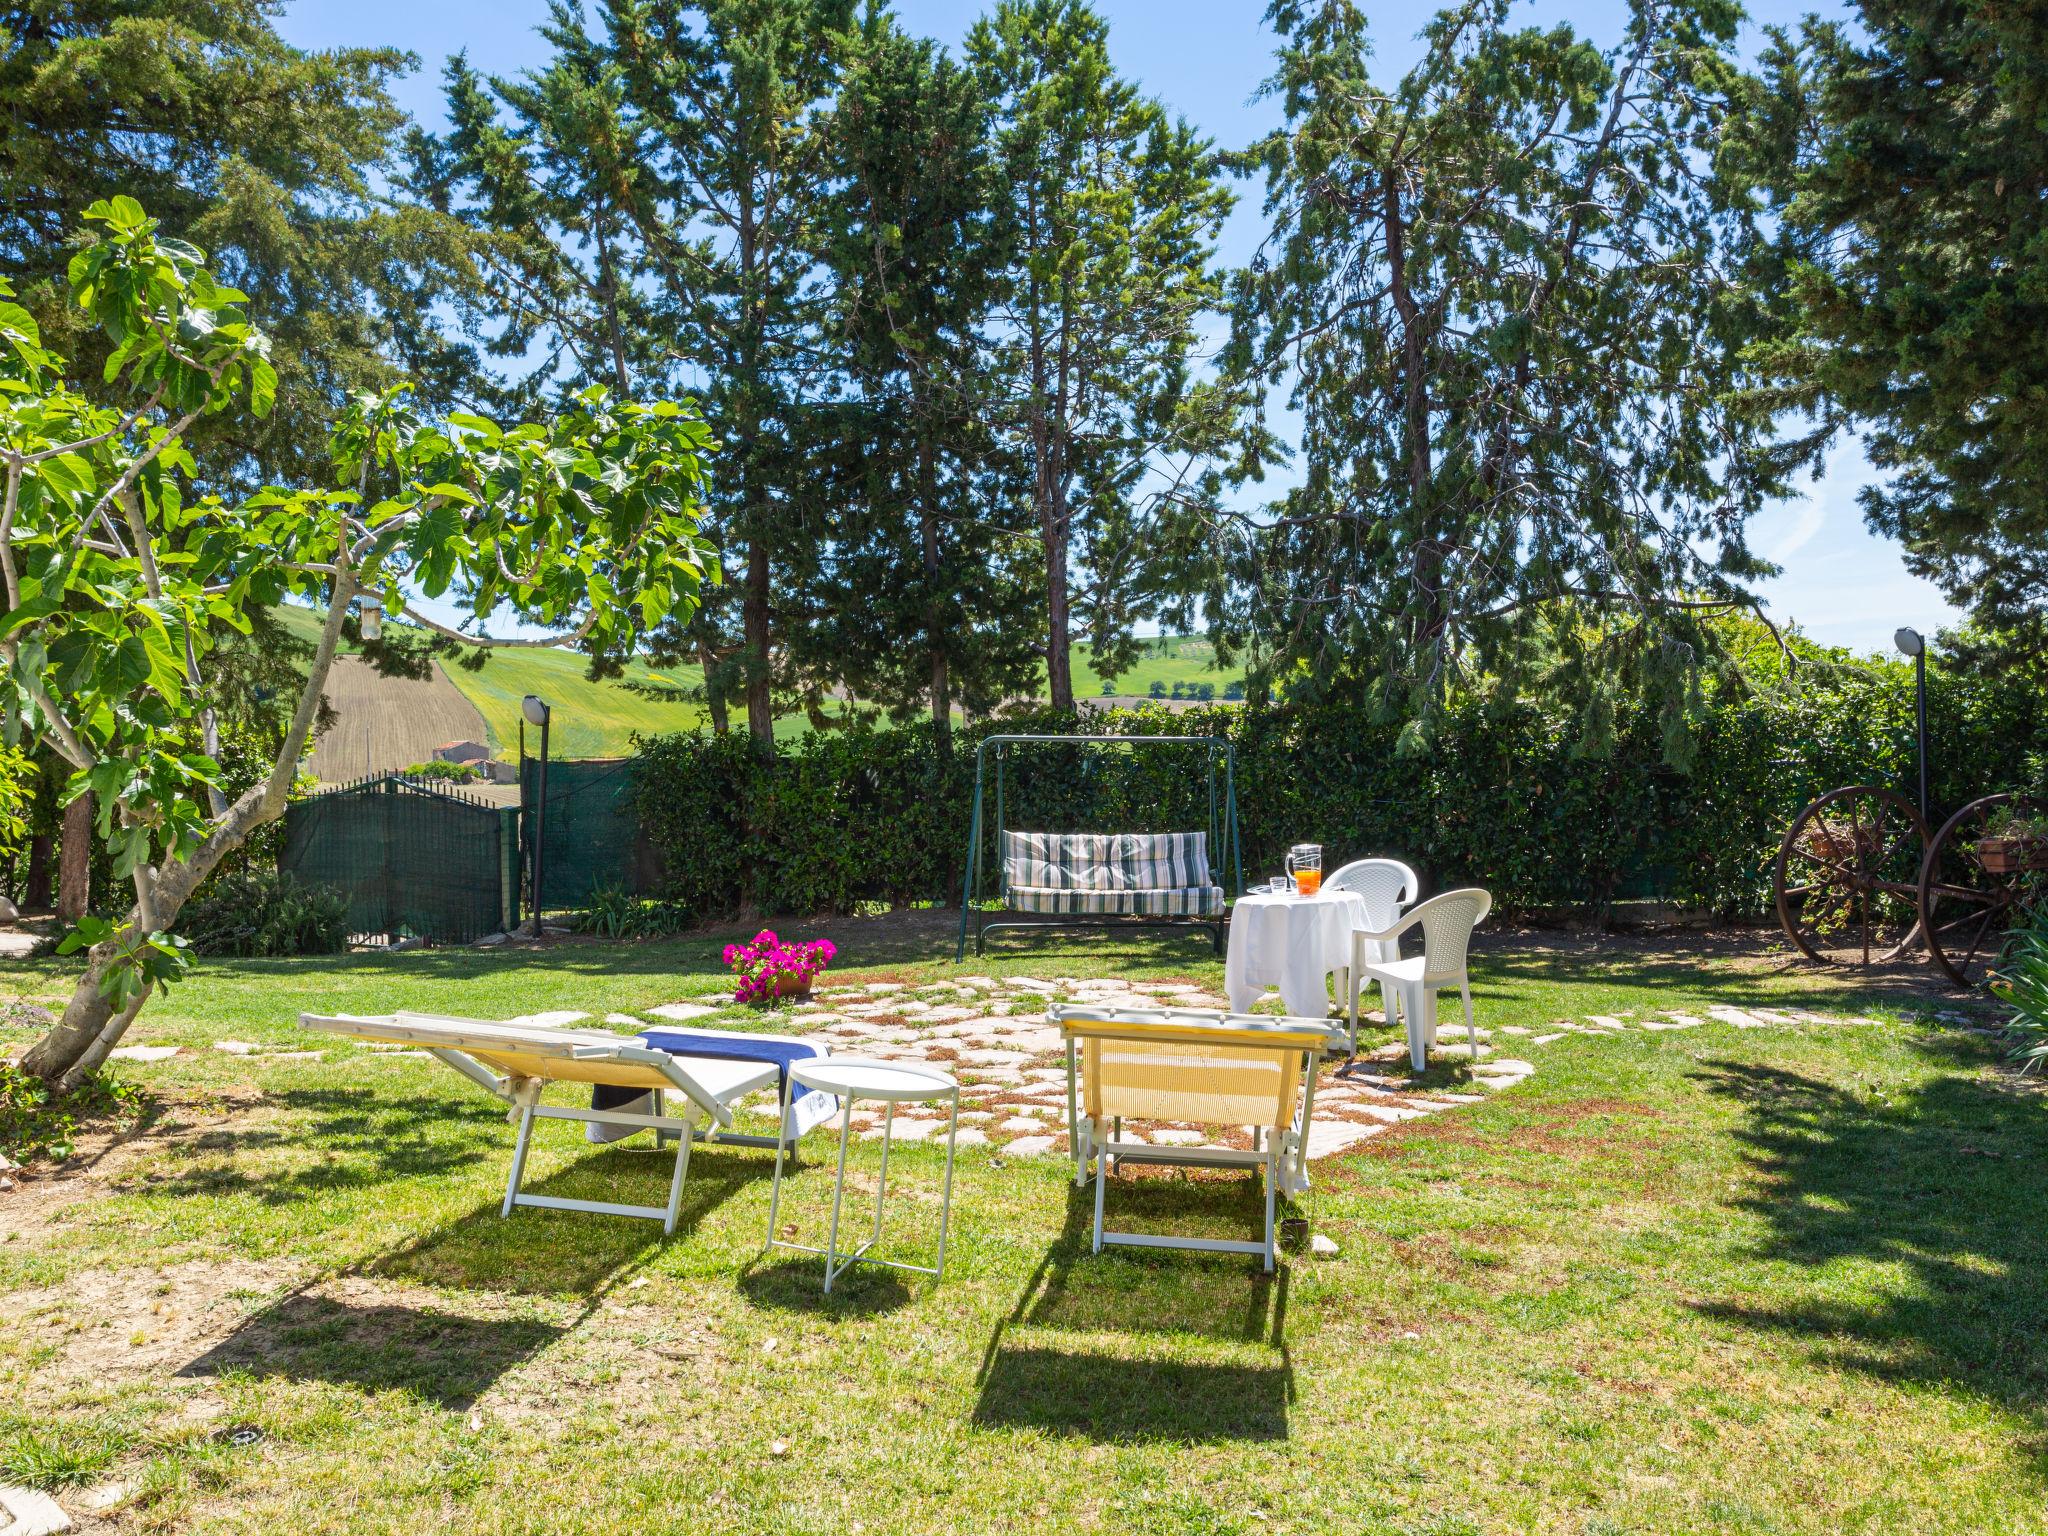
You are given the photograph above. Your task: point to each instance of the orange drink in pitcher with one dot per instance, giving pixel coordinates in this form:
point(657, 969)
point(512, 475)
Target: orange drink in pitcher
point(1305, 863)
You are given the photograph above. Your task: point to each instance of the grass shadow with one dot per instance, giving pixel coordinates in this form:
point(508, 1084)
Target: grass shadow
point(543, 1252)
point(1117, 1396)
point(442, 1358)
point(1916, 1215)
point(798, 1285)
point(1720, 967)
point(1221, 1296)
point(1113, 1399)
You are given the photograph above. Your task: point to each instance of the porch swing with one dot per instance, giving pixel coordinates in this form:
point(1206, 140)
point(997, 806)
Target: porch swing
point(1103, 879)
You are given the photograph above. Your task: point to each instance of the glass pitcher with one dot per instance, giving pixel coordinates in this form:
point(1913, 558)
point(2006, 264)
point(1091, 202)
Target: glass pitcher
point(1305, 863)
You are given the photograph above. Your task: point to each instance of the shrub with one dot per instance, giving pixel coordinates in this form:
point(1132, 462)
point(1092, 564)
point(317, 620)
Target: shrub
point(2020, 982)
point(1234, 692)
point(608, 913)
point(461, 773)
point(36, 1122)
point(1509, 794)
point(1205, 692)
point(255, 914)
point(617, 914)
point(1158, 689)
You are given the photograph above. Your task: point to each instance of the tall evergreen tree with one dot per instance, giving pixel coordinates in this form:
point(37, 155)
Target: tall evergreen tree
point(1501, 292)
point(933, 539)
point(650, 208)
point(264, 154)
point(734, 98)
point(544, 171)
point(1109, 208)
point(1907, 156)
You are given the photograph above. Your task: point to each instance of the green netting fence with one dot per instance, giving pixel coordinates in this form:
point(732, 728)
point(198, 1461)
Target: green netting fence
point(414, 859)
point(591, 830)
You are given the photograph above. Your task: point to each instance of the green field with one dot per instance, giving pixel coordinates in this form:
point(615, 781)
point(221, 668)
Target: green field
point(601, 718)
point(591, 718)
point(1169, 659)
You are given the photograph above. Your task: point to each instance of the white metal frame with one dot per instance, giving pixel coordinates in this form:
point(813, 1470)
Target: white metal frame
point(446, 1038)
point(1283, 1158)
point(836, 1263)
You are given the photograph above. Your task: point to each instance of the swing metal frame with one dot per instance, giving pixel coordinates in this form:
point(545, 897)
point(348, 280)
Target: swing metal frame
point(1225, 851)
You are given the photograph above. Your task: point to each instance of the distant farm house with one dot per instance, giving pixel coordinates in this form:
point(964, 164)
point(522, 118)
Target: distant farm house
point(462, 752)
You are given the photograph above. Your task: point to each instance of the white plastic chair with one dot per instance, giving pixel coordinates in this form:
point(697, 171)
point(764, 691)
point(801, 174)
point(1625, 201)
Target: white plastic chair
point(1386, 886)
point(1447, 922)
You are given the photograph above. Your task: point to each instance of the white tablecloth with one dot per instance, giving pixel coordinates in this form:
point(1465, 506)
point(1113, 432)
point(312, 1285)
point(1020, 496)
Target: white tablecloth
point(1294, 943)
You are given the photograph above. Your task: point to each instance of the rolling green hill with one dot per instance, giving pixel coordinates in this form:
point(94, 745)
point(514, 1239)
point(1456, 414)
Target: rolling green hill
point(591, 719)
point(600, 719)
point(1169, 659)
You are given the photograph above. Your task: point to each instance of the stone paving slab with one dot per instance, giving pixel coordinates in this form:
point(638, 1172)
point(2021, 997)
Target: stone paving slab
point(991, 1034)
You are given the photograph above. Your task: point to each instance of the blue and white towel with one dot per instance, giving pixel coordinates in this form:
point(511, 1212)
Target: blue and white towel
point(731, 1045)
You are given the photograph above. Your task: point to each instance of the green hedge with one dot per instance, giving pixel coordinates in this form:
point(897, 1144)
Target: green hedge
point(1508, 797)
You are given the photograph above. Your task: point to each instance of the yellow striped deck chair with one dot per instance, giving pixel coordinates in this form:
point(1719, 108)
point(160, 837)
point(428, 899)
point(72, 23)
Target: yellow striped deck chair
point(1202, 1068)
point(516, 1061)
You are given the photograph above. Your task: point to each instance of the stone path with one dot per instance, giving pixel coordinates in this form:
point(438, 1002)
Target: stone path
point(993, 1035)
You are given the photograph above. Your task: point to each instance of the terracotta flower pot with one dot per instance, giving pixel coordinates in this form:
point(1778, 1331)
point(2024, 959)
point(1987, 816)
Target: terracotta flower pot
point(2012, 855)
point(789, 984)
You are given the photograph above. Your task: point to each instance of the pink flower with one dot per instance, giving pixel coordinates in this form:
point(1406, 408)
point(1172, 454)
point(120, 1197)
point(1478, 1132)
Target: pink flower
point(764, 964)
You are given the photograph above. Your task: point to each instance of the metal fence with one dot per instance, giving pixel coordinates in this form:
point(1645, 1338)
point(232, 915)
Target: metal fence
point(592, 837)
point(415, 859)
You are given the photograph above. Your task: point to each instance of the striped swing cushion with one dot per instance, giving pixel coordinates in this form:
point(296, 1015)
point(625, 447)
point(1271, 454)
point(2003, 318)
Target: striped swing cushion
point(1159, 874)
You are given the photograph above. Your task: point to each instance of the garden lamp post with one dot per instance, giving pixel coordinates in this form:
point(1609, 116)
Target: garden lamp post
point(1911, 643)
point(534, 708)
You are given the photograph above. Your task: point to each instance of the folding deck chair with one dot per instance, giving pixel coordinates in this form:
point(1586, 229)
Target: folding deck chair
point(516, 1061)
point(1194, 1065)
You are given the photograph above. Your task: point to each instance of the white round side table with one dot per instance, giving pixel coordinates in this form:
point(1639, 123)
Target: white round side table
point(893, 1083)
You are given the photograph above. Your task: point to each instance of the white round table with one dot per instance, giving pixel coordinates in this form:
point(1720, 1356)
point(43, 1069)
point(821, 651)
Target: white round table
point(1294, 943)
point(893, 1083)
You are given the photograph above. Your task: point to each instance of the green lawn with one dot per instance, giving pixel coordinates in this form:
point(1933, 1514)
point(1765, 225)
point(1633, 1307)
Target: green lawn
point(1767, 1281)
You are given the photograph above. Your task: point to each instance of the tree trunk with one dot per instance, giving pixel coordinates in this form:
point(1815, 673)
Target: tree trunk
point(714, 696)
point(90, 1027)
point(74, 860)
point(934, 608)
point(1059, 670)
point(1426, 567)
point(35, 896)
point(754, 608)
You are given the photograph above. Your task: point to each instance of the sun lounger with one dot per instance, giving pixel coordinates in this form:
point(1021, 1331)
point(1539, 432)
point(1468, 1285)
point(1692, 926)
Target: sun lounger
point(1200, 1068)
point(516, 1061)
point(780, 1051)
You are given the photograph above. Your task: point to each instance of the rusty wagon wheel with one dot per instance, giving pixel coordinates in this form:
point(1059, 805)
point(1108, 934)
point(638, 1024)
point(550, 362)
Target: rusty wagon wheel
point(1847, 878)
point(1976, 884)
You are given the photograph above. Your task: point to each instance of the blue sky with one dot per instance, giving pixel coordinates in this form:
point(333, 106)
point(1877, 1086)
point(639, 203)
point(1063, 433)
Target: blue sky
point(1205, 59)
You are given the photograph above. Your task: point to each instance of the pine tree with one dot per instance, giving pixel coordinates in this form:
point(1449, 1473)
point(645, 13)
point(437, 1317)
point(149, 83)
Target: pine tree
point(1501, 292)
point(1907, 158)
point(733, 98)
point(262, 154)
point(1109, 210)
point(654, 211)
point(934, 595)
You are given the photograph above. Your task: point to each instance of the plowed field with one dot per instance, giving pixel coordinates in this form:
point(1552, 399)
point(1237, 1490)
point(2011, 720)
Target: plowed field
point(388, 723)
